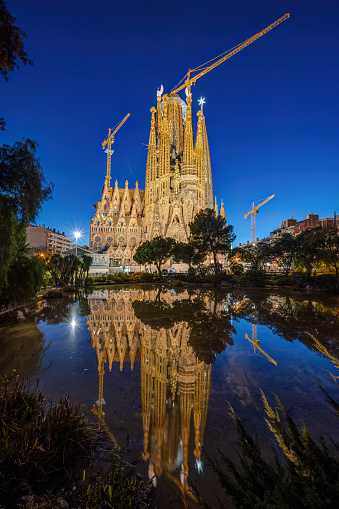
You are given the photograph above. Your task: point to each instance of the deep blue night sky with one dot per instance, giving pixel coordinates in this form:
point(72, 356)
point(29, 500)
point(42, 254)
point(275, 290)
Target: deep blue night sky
point(271, 111)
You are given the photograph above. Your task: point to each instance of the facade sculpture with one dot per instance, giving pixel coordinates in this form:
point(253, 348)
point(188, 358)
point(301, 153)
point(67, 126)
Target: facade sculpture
point(178, 184)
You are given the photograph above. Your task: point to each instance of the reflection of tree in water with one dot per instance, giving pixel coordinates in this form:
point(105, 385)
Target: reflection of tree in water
point(55, 311)
point(209, 324)
point(288, 317)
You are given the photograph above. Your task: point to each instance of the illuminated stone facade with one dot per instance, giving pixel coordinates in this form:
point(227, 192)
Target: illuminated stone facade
point(178, 184)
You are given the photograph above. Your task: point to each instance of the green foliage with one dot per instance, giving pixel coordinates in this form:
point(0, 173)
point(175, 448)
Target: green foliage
point(11, 43)
point(236, 268)
point(211, 234)
point(119, 488)
point(256, 255)
point(255, 277)
point(186, 252)
point(25, 278)
point(285, 249)
point(23, 187)
point(65, 270)
point(37, 439)
point(285, 281)
point(12, 244)
point(156, 251)
point(22, 191)
point(11, 47)
point(306, 477)
point(319, 246)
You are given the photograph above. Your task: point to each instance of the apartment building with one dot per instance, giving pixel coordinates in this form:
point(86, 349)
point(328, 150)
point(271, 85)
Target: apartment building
point(47, 240)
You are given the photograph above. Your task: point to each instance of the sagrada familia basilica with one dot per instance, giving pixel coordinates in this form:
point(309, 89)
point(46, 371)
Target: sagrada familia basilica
point(178, 185)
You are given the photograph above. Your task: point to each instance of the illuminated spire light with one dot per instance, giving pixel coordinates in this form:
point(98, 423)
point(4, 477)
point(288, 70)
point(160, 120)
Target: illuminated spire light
point(202, 102)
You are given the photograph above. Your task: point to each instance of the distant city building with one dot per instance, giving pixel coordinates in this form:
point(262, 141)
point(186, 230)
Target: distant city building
point(295, 227)
point(45, 240)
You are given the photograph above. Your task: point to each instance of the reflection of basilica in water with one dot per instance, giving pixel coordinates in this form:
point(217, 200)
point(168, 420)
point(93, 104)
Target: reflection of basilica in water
point(175, 384)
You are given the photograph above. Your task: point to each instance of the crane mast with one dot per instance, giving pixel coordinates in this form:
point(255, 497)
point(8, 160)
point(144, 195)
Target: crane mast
point(109, 142)
point(254, 212)
point(191, 80)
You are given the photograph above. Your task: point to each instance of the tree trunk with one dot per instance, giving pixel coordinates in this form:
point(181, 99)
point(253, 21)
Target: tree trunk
point(216, 268)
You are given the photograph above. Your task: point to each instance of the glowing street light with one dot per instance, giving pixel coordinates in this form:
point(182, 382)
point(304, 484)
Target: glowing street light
point(76, 235)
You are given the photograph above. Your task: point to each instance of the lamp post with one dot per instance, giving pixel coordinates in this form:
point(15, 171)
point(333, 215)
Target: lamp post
point(76, 236)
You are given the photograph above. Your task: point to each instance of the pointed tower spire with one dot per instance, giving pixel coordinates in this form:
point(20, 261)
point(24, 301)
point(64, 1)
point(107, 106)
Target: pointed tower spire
point(222, 212)
point(164, 149)
point(208, 169)
point(199, 160)
point(216, 206)
point(151, 165)
point(188, 167)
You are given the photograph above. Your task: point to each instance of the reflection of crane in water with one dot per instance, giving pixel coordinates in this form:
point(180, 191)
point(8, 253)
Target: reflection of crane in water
point(97, 408)
point(256, 343)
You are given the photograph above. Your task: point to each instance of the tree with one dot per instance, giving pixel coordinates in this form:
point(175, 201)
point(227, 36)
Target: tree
point(257, 255)
point(319, 246)
point(185, 252)
point(285, 249)
point(156, 251)
point(87, 262)
point(23, 189)
point(11, 47)
point(211, 234)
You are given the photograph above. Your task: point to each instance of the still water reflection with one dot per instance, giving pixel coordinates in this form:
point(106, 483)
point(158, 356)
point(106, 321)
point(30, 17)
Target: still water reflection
point(167, 363)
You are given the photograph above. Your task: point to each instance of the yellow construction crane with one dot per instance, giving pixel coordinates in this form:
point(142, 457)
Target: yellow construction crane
point(254, 212)
point(201, 70)
point(109, 142)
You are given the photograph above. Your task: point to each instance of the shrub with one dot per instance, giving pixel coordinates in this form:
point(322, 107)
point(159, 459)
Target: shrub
point(36, 441)
point(236, 268)
point(255, 277)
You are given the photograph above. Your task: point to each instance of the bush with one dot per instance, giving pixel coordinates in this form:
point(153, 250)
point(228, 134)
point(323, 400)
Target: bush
point(237, 268)
point(119, 488)
point(328, 282)
point(285, 281)
point(255, 277)
point(36, 441)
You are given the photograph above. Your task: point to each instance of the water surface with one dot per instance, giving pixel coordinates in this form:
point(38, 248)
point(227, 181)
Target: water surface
point(159, 369)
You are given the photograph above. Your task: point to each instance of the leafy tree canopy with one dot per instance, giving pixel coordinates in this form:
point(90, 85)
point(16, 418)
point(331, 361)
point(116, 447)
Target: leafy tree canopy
point(156, 251)
point(11, 43)
point(23, 187)
point(211, 234)
point(285, 249)
point(320, 245)
point(186, 252)
point(11, 47)
point(257, 255)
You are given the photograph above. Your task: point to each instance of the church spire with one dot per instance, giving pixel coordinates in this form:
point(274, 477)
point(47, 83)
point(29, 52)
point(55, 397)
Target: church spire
point(151, 165)
point(188, 153)
point(208, 169)
point(164, 149)
point(222, 212)
point(199, 159)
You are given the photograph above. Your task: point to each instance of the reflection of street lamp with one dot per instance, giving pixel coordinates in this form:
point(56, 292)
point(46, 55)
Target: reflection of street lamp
point(76, 236)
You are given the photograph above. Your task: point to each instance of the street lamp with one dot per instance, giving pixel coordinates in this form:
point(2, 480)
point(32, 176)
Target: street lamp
point(76, 236)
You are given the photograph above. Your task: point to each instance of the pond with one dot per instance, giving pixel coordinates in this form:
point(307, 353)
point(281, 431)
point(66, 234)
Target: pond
point(158, 369)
